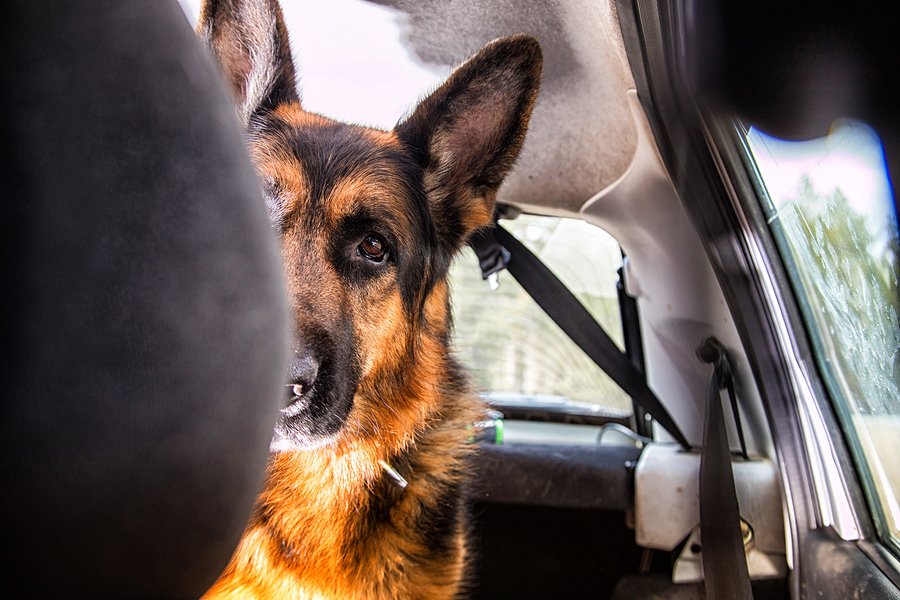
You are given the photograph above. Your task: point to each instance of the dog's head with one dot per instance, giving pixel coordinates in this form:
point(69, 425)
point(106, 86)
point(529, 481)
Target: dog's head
point(369, 219)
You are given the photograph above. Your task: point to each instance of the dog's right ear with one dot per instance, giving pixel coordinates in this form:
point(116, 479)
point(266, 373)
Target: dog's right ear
point(468, 132)
point(250, 41)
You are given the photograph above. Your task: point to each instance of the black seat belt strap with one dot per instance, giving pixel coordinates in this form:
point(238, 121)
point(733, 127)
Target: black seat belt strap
point(569, 314)
point(725, 572)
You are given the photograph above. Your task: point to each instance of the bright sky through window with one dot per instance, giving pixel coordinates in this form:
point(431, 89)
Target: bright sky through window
point(850, 158)
point(352, 62)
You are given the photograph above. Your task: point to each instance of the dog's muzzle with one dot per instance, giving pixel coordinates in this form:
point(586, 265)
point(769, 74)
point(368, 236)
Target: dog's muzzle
point(304, 369)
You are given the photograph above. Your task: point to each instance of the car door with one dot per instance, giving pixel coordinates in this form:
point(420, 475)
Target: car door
point(803, 236)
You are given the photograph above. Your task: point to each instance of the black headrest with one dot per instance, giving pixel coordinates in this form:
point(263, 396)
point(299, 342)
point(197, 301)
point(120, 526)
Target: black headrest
point(144, 330)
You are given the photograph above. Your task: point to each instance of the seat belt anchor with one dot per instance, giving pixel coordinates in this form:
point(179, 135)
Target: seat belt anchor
point(492, 256)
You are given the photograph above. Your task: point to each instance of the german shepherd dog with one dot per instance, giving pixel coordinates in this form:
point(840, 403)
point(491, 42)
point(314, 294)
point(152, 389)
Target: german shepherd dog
point(363, 496)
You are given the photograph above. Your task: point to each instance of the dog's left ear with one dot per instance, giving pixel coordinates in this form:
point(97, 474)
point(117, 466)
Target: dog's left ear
point(250, 42)
point(467, 134)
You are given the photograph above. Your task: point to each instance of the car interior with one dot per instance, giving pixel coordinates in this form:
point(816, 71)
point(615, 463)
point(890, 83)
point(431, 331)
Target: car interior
point(647, 361)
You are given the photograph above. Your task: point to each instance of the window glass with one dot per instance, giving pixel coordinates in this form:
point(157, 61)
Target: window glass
point(513, 349)
point(832, 214)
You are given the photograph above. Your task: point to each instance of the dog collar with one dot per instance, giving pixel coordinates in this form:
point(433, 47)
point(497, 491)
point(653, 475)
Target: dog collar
point(396, 477)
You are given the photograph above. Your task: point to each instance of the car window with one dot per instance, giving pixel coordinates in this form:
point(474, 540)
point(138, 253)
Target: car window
point(511, 347)
point(831, 211)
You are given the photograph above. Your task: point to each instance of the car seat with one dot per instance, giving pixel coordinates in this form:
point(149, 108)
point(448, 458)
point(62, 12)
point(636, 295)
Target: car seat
point(144, 328)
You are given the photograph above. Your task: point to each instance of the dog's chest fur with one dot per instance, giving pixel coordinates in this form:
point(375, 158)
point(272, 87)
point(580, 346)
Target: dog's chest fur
point(336, 525)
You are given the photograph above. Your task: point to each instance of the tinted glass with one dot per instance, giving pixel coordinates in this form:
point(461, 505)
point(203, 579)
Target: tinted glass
point(510, 346)
point(832, 213)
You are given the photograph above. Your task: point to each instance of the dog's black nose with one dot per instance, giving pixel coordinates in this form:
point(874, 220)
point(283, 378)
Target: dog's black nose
point(304, 369)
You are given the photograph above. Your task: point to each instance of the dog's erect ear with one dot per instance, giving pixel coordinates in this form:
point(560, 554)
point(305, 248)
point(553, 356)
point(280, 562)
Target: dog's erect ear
point(250, 41)
point(468, 133)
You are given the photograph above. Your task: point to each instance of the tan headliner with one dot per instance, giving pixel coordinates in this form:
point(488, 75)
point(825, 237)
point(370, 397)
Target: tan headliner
point(582, 136)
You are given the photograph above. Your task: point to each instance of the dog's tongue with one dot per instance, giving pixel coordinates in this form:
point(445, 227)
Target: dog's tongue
point(297, 389)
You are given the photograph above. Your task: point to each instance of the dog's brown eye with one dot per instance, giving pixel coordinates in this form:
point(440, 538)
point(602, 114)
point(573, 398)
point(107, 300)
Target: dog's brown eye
point(373, 247)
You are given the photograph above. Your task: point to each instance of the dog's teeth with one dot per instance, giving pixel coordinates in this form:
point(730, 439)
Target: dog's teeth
point(297, 389)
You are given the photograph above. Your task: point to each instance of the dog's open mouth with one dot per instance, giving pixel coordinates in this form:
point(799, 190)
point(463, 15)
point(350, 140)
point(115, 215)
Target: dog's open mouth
point(296, 398)
point(314, 405)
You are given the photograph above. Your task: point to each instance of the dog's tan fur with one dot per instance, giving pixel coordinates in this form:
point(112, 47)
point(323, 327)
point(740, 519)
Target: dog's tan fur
point(331, 522)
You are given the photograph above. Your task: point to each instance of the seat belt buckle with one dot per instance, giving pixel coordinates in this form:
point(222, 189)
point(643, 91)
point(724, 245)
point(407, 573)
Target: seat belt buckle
point(492, 256)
